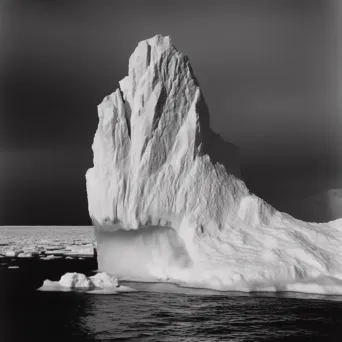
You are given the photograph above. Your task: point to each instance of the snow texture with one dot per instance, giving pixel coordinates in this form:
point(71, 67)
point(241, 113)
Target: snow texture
point(166, 198)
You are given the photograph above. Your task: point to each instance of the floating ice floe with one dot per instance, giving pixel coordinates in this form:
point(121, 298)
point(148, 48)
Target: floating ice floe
point(51, 257)
point(28, 255)
point(13, 253)
point(54, 247)
point(101, 283)
point(75, 280)
point(80, 250)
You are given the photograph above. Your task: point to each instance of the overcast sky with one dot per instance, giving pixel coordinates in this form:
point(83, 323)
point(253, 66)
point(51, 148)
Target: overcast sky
point(263, 65)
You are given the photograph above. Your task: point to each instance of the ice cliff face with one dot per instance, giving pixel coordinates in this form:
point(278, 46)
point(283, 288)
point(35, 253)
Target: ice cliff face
point(154, 153)
point(158, 164)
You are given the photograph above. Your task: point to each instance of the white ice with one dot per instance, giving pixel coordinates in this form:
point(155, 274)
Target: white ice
point(28, 255)
point(101, 283)
point(13, 253)
point(46, 238)
point(167, 201)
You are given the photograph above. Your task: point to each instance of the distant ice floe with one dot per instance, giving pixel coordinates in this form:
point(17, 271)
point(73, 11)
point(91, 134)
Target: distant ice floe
point(51, 239)
point(32, 254)
point(101, 283)
point(13, 253)
point(51, 253)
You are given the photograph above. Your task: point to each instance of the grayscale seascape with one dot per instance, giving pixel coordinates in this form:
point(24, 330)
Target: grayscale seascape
point(171, 170)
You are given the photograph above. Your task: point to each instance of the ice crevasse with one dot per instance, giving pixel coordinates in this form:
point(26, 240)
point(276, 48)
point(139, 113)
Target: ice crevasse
point(167, 201)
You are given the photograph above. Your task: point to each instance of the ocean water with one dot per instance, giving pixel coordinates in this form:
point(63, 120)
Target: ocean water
point(165, 312)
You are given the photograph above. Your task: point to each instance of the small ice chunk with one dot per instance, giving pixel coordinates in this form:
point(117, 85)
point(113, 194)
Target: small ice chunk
point(55, 252)
point(49, 285)
point(28, 255)
point(75, 280)
point(51, 257)
point(54, 247)
point(103, 280)
point(13, 253)
point(101, 283)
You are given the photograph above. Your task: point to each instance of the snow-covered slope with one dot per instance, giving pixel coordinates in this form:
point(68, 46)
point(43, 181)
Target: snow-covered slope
point(168, 189)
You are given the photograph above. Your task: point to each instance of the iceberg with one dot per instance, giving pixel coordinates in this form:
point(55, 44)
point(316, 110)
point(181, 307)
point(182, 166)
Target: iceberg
point(167, 200)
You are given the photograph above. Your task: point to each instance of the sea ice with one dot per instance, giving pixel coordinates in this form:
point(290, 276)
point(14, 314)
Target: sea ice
point(51, 257)
point(167, 201)
point(102, 280)
point(80, 250)
point(41, 237)
point(27, 255)
point(13, 253)
point(101, 283)
point(49, 285)
point(75, 280)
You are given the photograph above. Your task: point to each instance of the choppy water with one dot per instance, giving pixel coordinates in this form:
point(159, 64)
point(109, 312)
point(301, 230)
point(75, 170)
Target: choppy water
point(155, 314)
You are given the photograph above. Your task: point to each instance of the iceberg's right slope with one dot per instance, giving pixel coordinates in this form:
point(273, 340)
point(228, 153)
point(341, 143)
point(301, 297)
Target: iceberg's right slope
point(167, 202)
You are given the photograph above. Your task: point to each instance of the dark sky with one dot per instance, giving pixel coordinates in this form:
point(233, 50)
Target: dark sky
point(263, 65)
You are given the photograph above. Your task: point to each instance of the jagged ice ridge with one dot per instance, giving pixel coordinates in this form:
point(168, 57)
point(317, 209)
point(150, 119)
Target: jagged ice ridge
point(166, 198)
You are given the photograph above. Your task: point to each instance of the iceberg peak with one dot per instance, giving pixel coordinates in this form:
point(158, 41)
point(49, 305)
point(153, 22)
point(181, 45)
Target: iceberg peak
point(153, 140)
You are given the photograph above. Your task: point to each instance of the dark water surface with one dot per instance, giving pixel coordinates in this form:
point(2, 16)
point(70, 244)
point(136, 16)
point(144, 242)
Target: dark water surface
point(160, 312)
